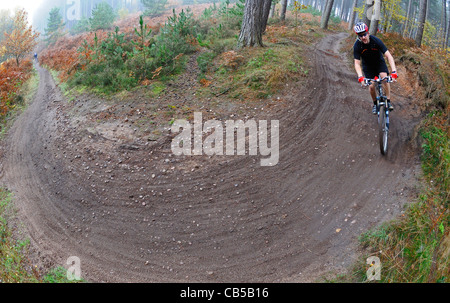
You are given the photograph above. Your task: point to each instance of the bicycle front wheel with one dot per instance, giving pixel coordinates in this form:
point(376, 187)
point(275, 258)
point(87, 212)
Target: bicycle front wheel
point(383, 130)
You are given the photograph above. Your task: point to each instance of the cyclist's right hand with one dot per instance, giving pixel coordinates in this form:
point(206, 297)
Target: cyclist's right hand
point(362, 81)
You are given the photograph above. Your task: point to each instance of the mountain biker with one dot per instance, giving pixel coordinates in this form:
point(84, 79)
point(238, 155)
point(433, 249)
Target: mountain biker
point(368, 53)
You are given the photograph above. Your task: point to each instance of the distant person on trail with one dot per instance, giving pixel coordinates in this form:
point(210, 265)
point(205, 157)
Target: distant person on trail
point(35, 57)
point(368, 53)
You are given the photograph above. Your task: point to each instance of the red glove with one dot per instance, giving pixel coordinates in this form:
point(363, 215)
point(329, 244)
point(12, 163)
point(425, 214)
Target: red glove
point(394, 75)
point(361, 79)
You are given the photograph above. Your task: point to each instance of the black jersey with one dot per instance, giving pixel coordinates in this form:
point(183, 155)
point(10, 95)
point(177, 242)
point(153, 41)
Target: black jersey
point(370, 54)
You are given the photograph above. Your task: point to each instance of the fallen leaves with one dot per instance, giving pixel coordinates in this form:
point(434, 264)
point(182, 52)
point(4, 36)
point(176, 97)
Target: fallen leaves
point(231, 59)
point(204, 82)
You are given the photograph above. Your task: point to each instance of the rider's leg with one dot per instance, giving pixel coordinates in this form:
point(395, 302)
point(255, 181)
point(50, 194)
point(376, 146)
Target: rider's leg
point(370, 73)
point(373, 94)
point(386, 86)
point(387, 90)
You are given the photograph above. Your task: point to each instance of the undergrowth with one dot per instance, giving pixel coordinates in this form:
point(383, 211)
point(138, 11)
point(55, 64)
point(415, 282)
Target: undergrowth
point(12, 77)
point(110, 62)
point(22, 97)
point(253, 74)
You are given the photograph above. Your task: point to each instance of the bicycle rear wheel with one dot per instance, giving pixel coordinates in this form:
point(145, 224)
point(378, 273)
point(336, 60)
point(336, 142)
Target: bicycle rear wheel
point(383, 130)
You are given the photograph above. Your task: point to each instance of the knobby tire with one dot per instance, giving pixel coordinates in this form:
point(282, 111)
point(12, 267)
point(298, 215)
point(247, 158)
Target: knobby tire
point(383, 132)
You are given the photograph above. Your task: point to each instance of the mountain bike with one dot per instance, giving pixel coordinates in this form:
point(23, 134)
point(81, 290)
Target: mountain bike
point(382, 112)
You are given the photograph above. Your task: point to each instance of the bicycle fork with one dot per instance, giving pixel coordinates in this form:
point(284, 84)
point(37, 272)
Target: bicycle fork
point(386, 111)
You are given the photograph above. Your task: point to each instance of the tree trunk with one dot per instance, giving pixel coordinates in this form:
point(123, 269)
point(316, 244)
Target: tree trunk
point(266, 11)
point(444, 23)
point(346, 11)
point(408, 16)
point(421, 22)
point(326, 14)
point(272, 10)
point(253, 23)
point(413, 18)
point(316, 4)
point(341, 10)
point(375, 18)
point(388, 20)
point(447, 33)
point(368, 12)
point(283, 10)
point(352, 15)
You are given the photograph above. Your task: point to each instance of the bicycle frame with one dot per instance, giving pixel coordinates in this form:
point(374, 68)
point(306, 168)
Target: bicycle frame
point(381, 98)
point(382, 111)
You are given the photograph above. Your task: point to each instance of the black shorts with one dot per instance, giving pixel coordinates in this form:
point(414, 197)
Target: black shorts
point(370, 71)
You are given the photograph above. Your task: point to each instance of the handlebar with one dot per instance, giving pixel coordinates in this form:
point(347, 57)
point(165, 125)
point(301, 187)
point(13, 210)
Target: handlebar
point(368, 81)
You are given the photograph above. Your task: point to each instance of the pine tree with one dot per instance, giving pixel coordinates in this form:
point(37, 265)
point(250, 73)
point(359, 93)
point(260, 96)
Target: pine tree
point(103, 17)
point(55, 26)
point(326, 14)
point(421, 22)
point(82, 25)
point(143, 34)
point(154, 7)
point(254, 23)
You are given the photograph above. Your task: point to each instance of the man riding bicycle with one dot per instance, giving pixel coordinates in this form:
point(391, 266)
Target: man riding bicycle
point(368, 53)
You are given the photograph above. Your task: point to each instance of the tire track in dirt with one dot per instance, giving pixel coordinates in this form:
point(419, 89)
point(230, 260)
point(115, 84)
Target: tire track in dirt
point(138, 213)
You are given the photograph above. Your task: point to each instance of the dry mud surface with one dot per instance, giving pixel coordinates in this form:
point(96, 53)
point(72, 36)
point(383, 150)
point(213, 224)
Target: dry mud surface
point(134, 212)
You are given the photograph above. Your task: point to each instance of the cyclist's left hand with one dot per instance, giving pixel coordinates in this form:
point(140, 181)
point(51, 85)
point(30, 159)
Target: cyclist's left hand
point(394, 75)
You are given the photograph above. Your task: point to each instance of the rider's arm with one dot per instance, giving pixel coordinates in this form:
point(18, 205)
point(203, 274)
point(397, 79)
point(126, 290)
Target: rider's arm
point(390, 60)
point(358, 68)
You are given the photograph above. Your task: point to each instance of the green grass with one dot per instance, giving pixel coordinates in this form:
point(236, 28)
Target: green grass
point(12, 262)
point(157, 88)
point(255, 73)
point(14, 266)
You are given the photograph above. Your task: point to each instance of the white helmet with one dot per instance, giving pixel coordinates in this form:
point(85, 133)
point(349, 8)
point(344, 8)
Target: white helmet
point(360, 28)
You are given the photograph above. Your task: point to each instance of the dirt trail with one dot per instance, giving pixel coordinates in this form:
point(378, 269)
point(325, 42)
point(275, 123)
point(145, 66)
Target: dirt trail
point(138, 213)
